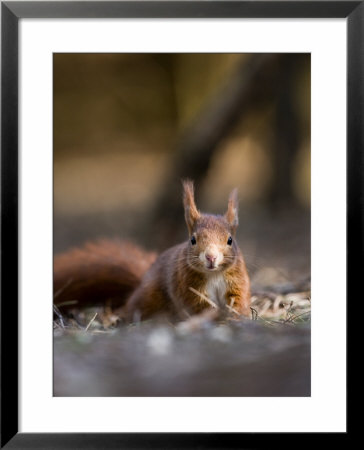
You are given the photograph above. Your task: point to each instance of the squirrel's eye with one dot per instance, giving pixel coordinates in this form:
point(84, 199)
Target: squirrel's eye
point(230, 241)
point(193, 240)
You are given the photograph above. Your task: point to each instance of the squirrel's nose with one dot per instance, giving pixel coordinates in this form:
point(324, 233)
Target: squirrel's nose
point(210, 258)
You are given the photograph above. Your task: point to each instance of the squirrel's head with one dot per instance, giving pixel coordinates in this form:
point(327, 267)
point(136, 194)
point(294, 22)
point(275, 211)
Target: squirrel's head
point(212, 245)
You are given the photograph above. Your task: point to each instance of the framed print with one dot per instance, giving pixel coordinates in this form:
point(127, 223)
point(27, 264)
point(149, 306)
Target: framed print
point(138, 310)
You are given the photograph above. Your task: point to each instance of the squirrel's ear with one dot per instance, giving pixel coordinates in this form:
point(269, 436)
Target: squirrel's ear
point(231, 214)
point(191, 212)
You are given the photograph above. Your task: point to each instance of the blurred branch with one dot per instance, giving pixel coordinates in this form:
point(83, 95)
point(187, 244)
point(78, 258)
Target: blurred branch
point(196, 146)
point(252, 83)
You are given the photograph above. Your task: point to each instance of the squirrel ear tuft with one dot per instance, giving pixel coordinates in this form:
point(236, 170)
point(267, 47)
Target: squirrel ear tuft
point(231, 214)
point(191, 212)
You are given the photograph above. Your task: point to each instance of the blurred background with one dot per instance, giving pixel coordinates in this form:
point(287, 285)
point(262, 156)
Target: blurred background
point(128, 127)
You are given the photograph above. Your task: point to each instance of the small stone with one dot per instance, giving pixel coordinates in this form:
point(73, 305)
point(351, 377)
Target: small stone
point(84, 337)
point(159, 341)
point(222, 334)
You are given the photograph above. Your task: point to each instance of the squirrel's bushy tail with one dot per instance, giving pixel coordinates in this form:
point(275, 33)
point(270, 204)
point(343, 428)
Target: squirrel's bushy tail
point(101, 272)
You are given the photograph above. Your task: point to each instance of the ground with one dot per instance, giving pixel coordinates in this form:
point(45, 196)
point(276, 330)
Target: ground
point(267, 355)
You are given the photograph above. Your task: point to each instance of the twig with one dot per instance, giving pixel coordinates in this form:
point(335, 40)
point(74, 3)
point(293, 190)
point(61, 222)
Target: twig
point(59, 315)
point(210, 302)
point(269, 322)
point(62, 288)
point(67, 303)
point(254, 313)
point(265, 307)
point(256, 316)
point(102, 331)
point(293, 317)
point(232, 310)
point(88, 326)
point(277, 302)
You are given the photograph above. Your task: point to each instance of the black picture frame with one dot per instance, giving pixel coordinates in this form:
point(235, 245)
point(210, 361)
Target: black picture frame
point(11, 12)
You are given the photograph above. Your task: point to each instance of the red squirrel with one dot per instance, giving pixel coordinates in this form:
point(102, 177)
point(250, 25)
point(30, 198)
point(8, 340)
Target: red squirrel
point(207, 270)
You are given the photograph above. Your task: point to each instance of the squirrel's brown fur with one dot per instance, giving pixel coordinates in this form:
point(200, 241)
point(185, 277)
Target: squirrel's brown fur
point(99, 272)
point(209, 264)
